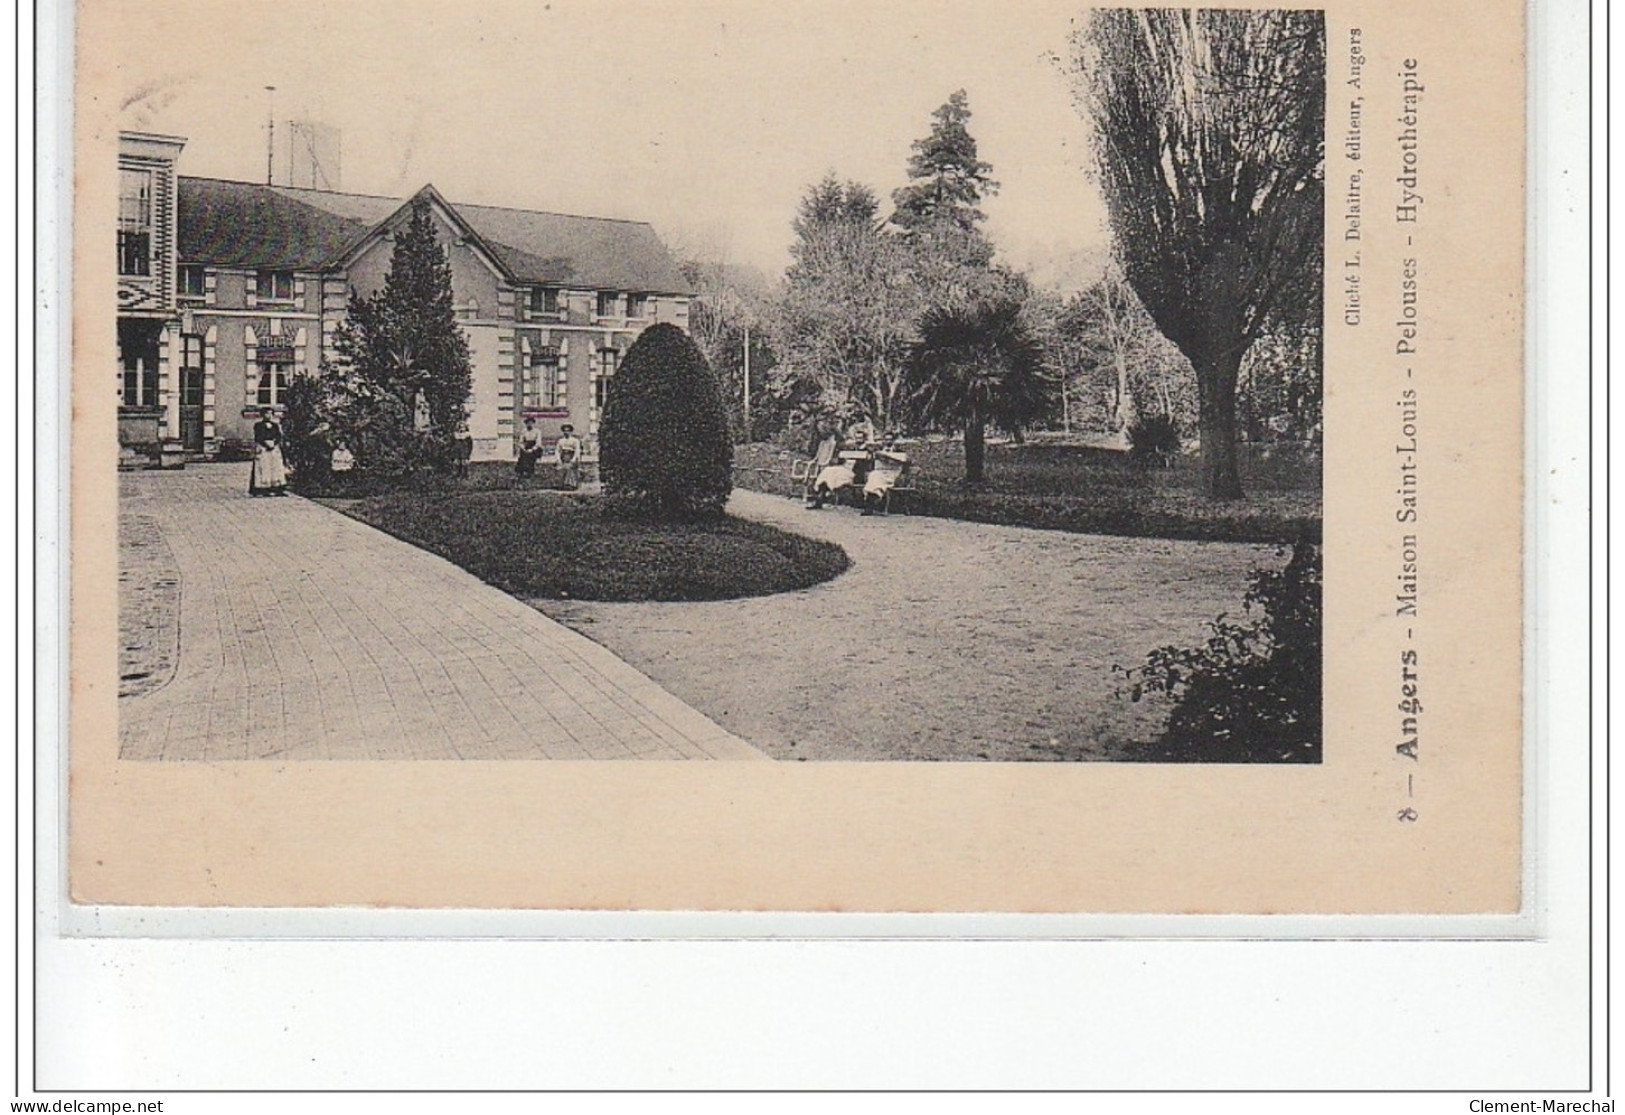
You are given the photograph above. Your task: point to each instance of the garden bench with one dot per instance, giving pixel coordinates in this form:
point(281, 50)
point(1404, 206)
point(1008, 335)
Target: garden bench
point(804, 472)
point(905, 486)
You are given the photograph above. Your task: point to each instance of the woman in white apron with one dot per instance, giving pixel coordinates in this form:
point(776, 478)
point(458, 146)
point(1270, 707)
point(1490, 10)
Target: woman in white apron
point(270, 474)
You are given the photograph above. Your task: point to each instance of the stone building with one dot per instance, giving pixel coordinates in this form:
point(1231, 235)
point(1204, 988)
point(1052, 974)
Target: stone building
point(259, 278)
point(150, 384)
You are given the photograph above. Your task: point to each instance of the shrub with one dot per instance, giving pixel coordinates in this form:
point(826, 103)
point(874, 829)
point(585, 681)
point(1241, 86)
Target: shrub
point(304, 432)
point(1251, 693)
point(1153, 440)
point(581, 549)
point(664, 439)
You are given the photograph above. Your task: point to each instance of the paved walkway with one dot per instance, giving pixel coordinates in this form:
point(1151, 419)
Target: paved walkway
point(945, 640)
point(306, 635)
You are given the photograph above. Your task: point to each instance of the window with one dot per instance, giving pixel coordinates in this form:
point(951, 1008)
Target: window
point(274, 286)
point(544, 300)
point(140, 383)
point(609, 304)
point(544, 385)
point(552, 376)
point(191, 370)
point(606, 372)
point(191, 281)
point(530, 386)
point(273, 383)
point(135, 222)
point(637, 305)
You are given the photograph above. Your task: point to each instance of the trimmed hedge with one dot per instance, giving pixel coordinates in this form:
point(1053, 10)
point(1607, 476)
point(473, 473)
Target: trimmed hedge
point(664, 438)
point(1088, 491)
point(583, 548)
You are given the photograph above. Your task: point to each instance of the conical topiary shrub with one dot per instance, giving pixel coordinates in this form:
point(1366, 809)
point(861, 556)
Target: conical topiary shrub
point(664, 437)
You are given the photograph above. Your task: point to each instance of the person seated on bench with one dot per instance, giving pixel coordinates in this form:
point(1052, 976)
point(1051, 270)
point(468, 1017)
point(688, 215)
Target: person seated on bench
point(851, 465)
point(530, 450)
point(805, 472)
point(832, 479)
point(888, 468)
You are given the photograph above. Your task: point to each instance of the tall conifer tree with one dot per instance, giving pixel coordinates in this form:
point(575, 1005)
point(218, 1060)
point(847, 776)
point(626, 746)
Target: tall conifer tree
point(405, 338)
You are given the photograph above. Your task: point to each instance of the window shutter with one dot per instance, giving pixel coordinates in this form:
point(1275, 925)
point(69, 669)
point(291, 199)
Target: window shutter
point(251, 365)
point(522, 393)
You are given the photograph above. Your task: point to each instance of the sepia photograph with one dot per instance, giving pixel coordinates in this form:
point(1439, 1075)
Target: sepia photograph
point(1049, 458)
point(671, 416)
point(1075, 509)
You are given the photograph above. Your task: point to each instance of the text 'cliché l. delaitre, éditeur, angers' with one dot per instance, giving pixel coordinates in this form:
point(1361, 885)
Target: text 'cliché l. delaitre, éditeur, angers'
point(1407, 207)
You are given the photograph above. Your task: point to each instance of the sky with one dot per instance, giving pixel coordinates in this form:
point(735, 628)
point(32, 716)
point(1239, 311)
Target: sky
point(708, 118)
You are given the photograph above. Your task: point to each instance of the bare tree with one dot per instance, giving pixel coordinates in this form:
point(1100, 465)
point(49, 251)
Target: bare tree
point(1209, 129)
point(730, 313)
point(1118, 351)
point(847, 315)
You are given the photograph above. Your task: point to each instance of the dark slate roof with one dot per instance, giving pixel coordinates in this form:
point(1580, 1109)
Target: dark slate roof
point(577, 251)
point(244, 224)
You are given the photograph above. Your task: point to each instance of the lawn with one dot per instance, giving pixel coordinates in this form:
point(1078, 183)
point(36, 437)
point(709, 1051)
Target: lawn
point(1057, 486)
point(481, 476)
point(534, 543)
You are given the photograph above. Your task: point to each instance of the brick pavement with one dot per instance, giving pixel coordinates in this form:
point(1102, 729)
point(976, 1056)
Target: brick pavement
point(307, 635)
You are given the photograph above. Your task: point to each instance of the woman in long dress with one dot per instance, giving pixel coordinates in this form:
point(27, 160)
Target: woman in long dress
point(530, 450)
point(270, 474)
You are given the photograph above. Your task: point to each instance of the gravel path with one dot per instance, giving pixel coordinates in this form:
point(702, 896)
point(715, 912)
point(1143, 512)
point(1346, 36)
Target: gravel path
point(946, 640)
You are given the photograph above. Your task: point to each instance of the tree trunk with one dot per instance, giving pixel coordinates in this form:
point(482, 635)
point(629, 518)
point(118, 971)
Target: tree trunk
point(975, 449)
point(1216, 392)
point(1120, 417)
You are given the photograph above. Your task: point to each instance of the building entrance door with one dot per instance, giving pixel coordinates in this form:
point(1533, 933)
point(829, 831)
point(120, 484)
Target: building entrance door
point(192, 429)
point(192, 394)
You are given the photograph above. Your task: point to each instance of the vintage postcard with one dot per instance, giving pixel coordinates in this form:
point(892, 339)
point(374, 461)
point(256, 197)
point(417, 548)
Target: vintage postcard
point(810, 456)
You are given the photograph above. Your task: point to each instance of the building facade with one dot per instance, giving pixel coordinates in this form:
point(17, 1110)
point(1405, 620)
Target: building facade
point(149, 325)
point(259, 278)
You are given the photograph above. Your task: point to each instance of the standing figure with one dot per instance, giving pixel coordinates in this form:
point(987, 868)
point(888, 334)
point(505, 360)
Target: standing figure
point(569, 456)
point(270, 475)
point(530, 450)
point(463, 442)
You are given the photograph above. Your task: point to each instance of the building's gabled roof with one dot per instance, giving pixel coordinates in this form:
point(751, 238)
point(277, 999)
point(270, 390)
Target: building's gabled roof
point(592, 252)
point(401, 215)
point(365, 209)
point(243, 224)
point(248, 225)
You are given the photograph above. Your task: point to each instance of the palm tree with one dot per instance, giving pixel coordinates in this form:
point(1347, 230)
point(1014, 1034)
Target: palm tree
point(978, 364)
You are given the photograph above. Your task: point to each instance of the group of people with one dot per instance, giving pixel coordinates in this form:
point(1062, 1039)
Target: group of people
point(860, 461)
point(873, 466)
point(567, 452)
point(269, 475)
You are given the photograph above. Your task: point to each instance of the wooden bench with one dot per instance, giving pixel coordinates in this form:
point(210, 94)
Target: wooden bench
point(905, 486)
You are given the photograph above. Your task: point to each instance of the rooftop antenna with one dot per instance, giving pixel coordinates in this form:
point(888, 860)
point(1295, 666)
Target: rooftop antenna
point(270, 129)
